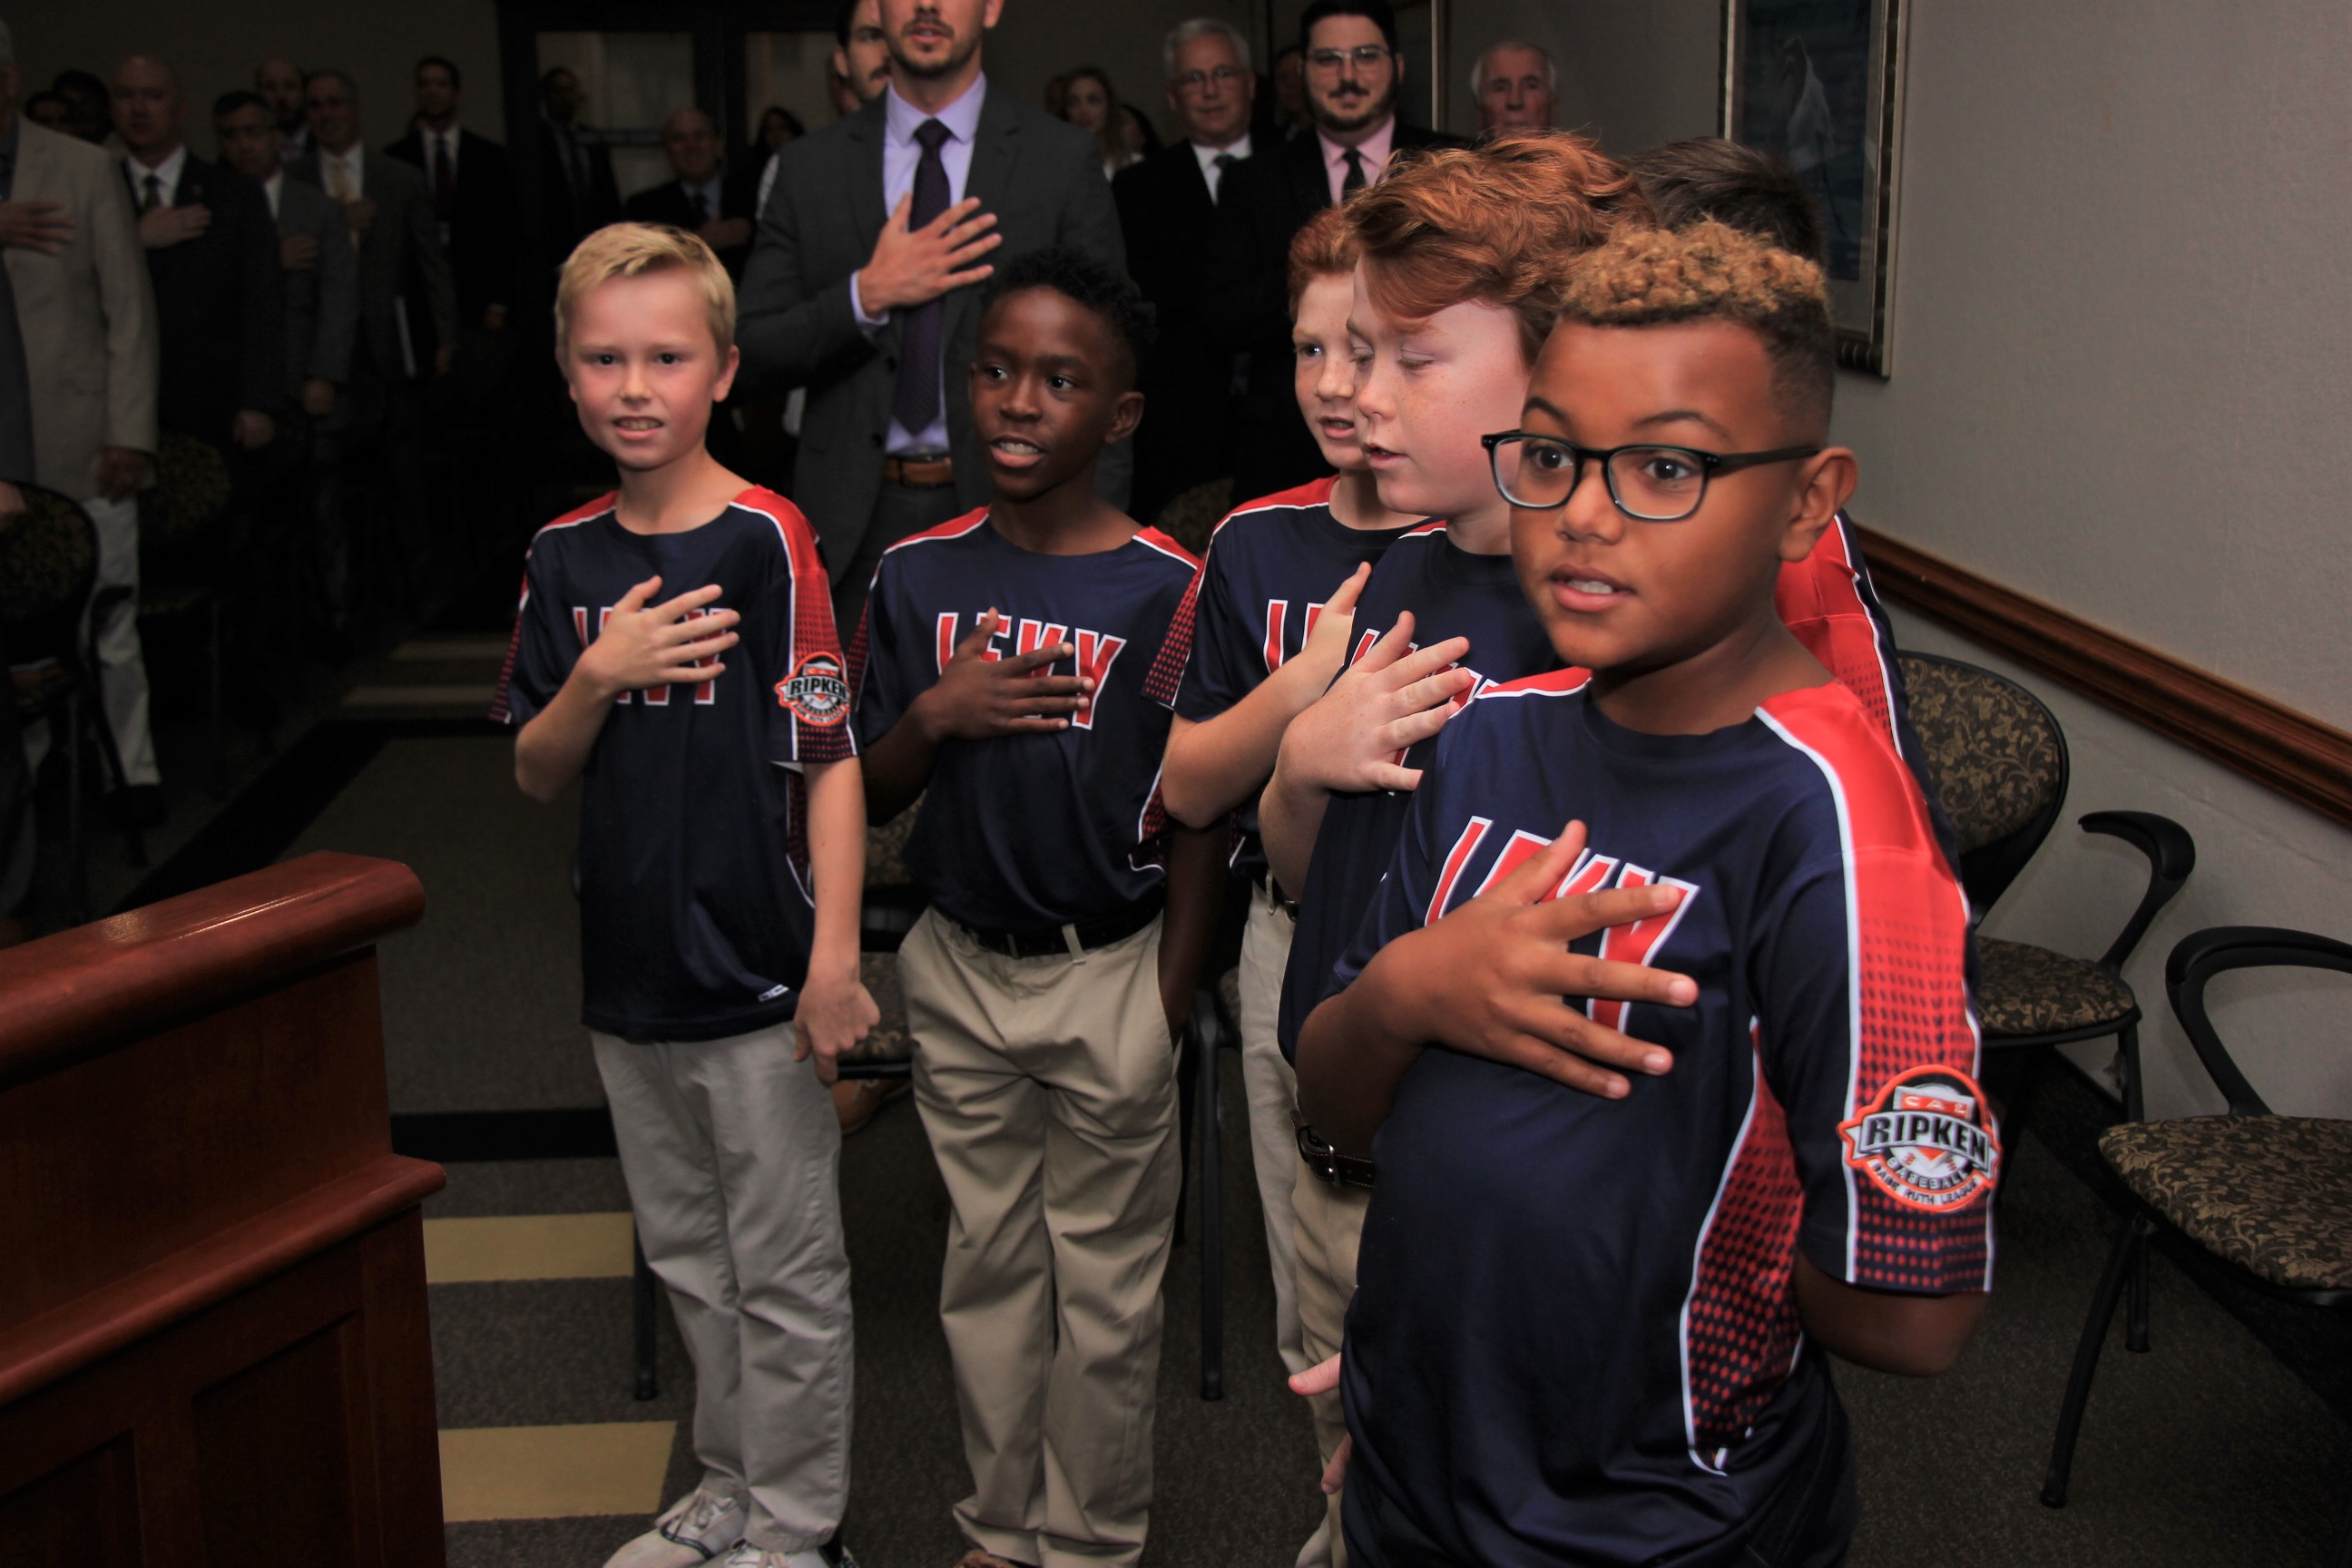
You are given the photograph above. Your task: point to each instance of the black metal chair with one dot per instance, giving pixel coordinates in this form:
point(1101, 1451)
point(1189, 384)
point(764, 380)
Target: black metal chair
point(1215, 1026)
point(179, 517)
point(2268, 1197)
point(1998, 761)
point(48, 565)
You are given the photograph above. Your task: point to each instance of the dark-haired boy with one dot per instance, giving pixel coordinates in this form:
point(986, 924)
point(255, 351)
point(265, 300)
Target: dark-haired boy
point(1001, 669)
point(1789, 1100)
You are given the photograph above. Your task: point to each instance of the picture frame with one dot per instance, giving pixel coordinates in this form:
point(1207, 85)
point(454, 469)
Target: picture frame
point(1819, 83)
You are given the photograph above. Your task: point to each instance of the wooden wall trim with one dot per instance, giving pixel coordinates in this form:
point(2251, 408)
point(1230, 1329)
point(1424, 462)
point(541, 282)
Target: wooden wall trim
point(2293, 753)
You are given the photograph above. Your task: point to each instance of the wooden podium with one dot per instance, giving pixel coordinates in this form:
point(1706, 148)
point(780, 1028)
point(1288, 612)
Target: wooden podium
point(212, 1340)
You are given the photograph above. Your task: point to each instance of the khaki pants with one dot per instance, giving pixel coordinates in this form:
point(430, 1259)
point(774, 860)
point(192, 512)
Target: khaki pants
point(732, 1154)
point(1273, 1090)
point(1330, 1223)
point(1048, 1087)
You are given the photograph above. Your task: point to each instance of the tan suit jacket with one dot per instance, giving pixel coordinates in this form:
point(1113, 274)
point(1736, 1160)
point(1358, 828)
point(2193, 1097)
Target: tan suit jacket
point(88, 314)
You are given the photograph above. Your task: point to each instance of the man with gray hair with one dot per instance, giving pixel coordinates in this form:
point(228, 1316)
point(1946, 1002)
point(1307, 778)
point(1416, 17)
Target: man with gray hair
point(1167, 205)
point(79, 276)
point(1515, 87)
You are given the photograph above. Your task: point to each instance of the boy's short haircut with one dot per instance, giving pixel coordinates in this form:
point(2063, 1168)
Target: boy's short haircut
point(1711, 271)
point(1325, 247)
point(1711, 176)
point(1110, 294)
point(633, 250)
point(1498, 225)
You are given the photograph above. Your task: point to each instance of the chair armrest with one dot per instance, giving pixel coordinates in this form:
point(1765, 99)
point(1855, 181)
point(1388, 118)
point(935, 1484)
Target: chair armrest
point(2201, 956)
point(2171, 857)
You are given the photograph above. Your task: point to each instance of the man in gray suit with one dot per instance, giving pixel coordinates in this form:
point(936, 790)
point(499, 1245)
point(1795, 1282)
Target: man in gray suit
point(407, 296)
point(863, 283)
point(71, 248)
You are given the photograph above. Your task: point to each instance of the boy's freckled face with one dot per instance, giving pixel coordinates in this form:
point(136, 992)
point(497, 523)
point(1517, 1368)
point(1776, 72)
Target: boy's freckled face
point(1618, 594)
point(1047, 390)
point(1425, 392)
point(1324, 369)
point(644, 368)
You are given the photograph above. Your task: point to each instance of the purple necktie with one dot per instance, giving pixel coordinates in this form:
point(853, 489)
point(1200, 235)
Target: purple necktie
point(917, 403)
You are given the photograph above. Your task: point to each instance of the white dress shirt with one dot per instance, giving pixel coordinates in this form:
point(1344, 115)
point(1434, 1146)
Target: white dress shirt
point(900, 156)
point(353, 161)
point(1208, 156)
point(705, 196)
point(270, 187)
point(167, 176)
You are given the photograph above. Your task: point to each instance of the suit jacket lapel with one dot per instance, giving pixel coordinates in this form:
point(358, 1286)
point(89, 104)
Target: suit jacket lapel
point(994, 150)
point(863, 172)
point(1303, 161)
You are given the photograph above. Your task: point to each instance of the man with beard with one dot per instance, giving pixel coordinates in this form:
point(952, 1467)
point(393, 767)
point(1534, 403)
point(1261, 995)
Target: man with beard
point(862, 282)
point(280, 83)
point(1353, 64)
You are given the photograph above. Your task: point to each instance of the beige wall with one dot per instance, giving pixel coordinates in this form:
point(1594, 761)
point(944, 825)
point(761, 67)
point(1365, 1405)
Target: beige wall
point(2121, 331)
point(1039, 39)
point(214, 47)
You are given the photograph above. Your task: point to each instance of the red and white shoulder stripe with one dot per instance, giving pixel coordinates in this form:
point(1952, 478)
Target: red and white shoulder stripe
point(1551, 683)
point(1315, 492)
point(1152, 539)
point(792, 527)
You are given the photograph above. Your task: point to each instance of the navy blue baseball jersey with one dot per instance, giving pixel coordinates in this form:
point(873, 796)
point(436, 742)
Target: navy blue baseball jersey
point(1028, 832)
point(695, 912)
point(1451, 592)
point(1574, 1338)
point(1271, 564)
point(1826, 600)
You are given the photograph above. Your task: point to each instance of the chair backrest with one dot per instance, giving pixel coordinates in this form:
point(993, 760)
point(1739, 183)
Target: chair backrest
point(48, 565)
point(1999, 761)
point(2201, 956)
point(189, 493)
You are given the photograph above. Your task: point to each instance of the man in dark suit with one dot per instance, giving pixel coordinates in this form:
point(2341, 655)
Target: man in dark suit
point(473, 193)
point(576, 192)
point(1351, 84)
point(858, 292)
point(212, 255)
point(279, 84)
point(407, 300)
point(321, 278)
point(701, 200)
point(1167, 206)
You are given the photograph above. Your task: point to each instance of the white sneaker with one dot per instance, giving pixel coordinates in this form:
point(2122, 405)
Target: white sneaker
point(698, 1528)
point(832, 1555)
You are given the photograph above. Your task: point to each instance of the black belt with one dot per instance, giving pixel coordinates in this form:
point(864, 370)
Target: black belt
point(1327, 1162)
point(1273, 889)
point(1047, 940)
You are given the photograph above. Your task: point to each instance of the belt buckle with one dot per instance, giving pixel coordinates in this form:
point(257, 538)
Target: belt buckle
point(1327, 1165)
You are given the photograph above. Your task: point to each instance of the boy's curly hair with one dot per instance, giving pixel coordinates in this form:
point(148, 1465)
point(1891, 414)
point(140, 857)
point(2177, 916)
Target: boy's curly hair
point(1325, 248)
point(1498, 225)
point(1713, 273)
point(1105, 290)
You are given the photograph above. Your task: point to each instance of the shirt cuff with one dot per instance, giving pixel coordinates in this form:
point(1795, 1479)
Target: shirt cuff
point(857, 304)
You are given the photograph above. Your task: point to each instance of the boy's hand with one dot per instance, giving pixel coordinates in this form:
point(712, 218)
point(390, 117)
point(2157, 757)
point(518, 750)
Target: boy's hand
point(834, 1014)
point(1335, 627)
point(1351, 738)
point(668, 645)
point(978, 698)
point(1492, 978)
point(1323, 1377)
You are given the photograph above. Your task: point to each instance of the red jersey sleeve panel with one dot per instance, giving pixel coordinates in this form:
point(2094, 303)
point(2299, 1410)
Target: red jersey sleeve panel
point(801, 660)
point(1822, 599)
point(1869, 1040)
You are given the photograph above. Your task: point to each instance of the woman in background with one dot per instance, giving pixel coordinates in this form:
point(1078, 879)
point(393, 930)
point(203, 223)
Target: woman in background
point(1091, 103)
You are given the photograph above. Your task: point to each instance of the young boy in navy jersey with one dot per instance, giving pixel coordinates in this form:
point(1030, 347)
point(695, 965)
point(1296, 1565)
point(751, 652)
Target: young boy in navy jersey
point(1000, 668)
point(1270, 614)
point(721, 853)
point(1772, 1144)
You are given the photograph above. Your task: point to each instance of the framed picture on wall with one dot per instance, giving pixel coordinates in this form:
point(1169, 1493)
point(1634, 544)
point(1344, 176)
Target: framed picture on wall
point(1819, 83)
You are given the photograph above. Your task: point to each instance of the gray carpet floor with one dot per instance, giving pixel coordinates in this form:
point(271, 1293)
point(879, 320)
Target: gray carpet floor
point(2208, 1450)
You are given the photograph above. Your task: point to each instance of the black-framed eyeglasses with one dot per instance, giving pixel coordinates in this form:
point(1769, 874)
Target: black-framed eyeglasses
point(1648, 482)
point(1364, 56)
point(1226, 77)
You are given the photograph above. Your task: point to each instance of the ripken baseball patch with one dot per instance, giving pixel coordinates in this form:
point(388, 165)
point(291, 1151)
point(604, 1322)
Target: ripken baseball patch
point(1926, 1142)
point(817, 690)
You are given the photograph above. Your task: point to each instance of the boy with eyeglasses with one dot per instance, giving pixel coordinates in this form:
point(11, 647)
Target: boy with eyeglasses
point(1776, 1147)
